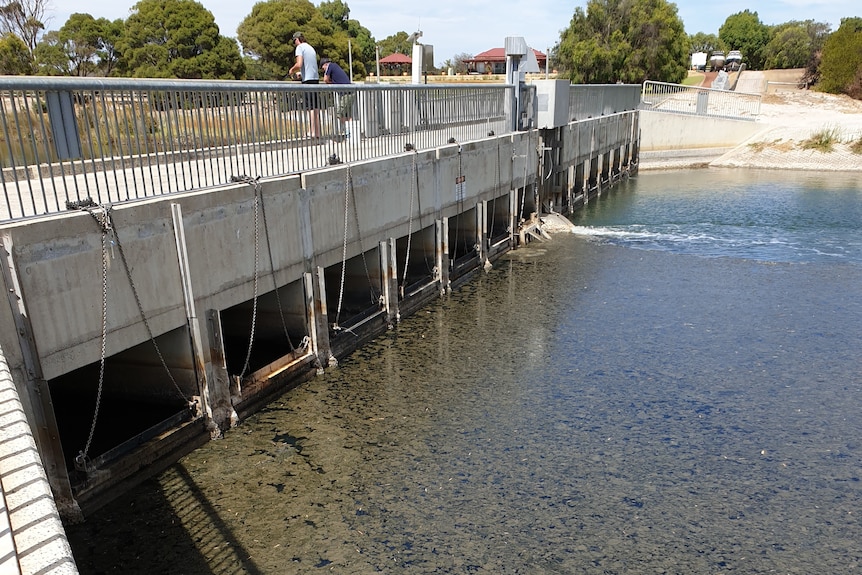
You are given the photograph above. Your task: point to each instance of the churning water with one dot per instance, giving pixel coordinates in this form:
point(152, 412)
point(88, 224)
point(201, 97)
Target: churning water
point(765, 216)
point(675, 388)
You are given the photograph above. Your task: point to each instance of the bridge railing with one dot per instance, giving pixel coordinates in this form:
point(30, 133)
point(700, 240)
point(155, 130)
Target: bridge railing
point(593, 100)
point(69, 141)
point(681, 99)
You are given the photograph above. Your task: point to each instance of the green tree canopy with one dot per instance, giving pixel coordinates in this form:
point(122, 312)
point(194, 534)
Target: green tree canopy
point(396, 44)
point(15, 59)
point(350, 37)
point(794, 44)
point(703, 42)
point(841, 61)
point(745, 32)
point(177, 39)
point(83, 46)
point(624, 41)
point(51, 57)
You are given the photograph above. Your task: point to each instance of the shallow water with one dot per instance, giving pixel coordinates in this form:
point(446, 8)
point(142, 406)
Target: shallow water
point(591, 405)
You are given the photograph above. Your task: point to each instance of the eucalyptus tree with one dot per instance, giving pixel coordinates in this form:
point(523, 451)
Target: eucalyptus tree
point(397, 43)
point(745, 32)
point(24, 18)
point(703, 42)
point(177, 39)
point(624, 41)
point(794, 44)
point(83, 46)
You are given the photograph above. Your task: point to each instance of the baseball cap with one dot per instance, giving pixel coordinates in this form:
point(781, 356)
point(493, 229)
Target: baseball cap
point(324, 61)
point(297, 35)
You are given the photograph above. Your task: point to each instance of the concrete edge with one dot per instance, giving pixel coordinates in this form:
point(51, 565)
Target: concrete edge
point(35, 541)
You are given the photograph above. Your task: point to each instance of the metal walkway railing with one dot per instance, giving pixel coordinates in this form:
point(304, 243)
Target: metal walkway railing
point(71, 140)
point(681, 99)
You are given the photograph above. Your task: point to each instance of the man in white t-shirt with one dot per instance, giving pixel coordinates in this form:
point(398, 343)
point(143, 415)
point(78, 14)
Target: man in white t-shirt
point(306, 69)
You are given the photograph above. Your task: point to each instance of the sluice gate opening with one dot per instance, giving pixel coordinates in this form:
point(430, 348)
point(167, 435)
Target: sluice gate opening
point(105, 414)
point(264, 338)
point(354, 297)
point(498, 223)
point(416, 261)
point(463, 240)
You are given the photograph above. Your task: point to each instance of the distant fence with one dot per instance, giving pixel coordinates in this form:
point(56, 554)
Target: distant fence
point(67, 141)
point(681, 99)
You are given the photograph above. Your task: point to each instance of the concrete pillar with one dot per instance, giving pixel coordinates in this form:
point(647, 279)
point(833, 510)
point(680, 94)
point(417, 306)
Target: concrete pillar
point(389, 270)
point(482, 230)
point(442, 231)
point(318, 321)
point(224, 394)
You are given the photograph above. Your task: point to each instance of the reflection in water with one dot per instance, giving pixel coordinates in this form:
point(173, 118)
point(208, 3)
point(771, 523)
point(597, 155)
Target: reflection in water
point(594, 409)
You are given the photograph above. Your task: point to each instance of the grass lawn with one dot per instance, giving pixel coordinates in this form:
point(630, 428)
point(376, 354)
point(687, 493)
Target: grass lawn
point(693, 79)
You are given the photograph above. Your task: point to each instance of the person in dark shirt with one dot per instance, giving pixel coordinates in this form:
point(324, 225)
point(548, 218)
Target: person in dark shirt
point(334, 74)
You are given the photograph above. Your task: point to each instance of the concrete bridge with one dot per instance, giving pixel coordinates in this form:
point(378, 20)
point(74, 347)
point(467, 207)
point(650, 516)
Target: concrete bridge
point(155, 313)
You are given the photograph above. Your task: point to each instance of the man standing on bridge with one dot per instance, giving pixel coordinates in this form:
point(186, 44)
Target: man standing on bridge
point(306, 66)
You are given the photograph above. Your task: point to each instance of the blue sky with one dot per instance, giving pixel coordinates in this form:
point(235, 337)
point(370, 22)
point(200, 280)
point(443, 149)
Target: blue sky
point(472, 26)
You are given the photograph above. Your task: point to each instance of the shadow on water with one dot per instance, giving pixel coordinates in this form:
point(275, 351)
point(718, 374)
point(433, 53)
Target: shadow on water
point(169, 527)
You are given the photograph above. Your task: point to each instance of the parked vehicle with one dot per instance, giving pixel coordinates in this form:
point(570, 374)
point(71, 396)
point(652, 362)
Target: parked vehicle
point(733, 60)
point(716, 61)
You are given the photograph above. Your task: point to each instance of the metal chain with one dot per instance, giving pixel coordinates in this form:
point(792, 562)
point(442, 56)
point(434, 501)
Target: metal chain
point(343, 246)
point(254, 301)
point(375, 298)
point(258, 192)
point(460, 195)
point(141, 308)
point(81, 460)
point(410, 221)
point(526, 159)
point(496, 191)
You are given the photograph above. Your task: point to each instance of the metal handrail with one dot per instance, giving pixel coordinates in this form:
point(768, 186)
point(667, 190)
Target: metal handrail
point(679, 99)
point(66, 141)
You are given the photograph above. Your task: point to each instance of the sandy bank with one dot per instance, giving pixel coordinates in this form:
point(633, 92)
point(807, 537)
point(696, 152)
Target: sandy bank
point(788, 117)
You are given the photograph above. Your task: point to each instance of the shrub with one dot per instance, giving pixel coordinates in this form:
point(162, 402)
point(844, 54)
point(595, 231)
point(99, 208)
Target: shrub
point(822, 141)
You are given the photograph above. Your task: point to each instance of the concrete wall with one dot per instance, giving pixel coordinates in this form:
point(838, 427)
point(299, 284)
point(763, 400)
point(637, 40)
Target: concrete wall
point(665, 131)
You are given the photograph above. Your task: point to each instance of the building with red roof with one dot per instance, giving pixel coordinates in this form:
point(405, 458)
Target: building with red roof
point(396, 58)
point(396, 63)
